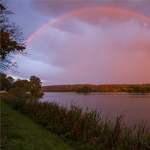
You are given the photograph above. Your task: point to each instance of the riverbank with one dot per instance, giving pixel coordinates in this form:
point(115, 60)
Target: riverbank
point(83, 127)
point(110, 104)
point(20, 133)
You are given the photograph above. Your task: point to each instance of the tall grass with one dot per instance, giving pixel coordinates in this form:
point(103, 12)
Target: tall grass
point(84, 126)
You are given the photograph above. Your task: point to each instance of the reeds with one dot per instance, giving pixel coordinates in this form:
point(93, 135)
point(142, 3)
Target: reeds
point(84, 126)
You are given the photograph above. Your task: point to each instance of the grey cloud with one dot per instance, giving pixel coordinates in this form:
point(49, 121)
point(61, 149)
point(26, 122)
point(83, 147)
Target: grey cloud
point(56, 8)
point(89, 42)
point(96, 17)
point(89, 50)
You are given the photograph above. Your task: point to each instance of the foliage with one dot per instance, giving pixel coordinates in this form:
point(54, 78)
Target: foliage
point(20, 87)
point(87, 127)
point(11, 38)
point(14, 101)
point(35, 85)
point(18, 83)
point(85, 89)
point(143, 88)
point(35, 82)
point(20, 133)
point(6, 82)
point(24, 84)
point(17, 91)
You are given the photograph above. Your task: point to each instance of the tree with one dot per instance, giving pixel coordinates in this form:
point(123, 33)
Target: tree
point(11, 79)
point(11, 39)
point(79, 90)
point(18, 83)
point(35, 85)
point(23, 84)
point(136, 89)
point(85, 89)
point(6, 82)
point(26, 85)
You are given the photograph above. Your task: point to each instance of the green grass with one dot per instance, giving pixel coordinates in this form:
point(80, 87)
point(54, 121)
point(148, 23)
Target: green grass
point(21, 133)
point(82, 130)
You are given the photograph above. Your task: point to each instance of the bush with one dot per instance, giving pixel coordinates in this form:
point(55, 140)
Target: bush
point(17, 91)
point(15, 102)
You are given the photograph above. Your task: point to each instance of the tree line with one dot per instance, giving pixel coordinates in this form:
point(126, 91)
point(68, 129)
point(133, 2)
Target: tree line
point(86, 88)
point(21, 87)
point(12, 42)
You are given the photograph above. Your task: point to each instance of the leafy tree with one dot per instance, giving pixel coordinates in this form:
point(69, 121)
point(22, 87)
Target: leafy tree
point(11, 79)
point(11, 38)
point(6, 82)
point(26, 85)
point(23, 84)
point(18, 84)
point(35, 85)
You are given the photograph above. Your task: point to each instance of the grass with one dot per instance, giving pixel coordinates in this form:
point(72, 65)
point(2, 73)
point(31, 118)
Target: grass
point(21, 133)
point(87, 129)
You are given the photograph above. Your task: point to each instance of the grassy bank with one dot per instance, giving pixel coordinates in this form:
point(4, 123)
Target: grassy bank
point(21, 133)
point(86, 128)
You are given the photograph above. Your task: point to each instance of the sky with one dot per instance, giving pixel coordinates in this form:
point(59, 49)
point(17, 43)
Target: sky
point(84, 42)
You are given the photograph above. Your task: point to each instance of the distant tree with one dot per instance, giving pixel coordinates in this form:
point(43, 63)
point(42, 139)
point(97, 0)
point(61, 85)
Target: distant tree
point(35, 85)
point(136, 89)
point(148, 88)
point(11, 38)
point(130, 90)
point(143, 89)
point(85, 89)
point(79, 90)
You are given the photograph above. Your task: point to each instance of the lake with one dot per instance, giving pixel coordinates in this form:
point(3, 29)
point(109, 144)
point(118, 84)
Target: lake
point(135, 107)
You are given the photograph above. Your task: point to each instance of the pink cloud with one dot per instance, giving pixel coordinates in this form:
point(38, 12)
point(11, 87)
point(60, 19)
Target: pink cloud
point(96, 51)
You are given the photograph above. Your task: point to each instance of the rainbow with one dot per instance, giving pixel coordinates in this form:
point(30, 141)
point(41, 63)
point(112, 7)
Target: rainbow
point(113, 9)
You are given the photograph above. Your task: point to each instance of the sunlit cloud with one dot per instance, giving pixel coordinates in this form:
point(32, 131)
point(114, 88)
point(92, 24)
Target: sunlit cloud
point(77, 51)
point(95, 46)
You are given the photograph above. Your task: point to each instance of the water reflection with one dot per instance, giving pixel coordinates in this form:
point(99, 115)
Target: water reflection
point(135, 107)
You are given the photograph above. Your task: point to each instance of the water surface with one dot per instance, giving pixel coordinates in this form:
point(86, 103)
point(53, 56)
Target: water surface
point(135, 107)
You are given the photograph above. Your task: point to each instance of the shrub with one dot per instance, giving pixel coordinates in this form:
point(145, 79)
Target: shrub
point(17, 91)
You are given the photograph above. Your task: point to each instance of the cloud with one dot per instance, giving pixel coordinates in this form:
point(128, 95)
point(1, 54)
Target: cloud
point(78, 49)
point(110, 52)
point(56, 8)
point(28, 67)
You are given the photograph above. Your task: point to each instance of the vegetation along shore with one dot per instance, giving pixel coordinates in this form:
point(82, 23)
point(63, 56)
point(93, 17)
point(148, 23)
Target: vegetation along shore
point(87, 129)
